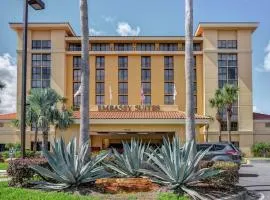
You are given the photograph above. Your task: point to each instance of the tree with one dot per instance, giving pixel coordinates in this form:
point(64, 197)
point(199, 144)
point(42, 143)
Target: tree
point(230, 96)
point(44, 103)
point(65, 118)
point(84, 107)
point(217, 103)
point(42, 111)
point(189, 62)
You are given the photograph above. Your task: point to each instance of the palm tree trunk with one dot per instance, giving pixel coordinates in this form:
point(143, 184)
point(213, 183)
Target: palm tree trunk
point(229, 116)
point(190, 118)
point(35, 140)
point(45, 140)
point(84, 108)
point(206, 135)
point(219, 137)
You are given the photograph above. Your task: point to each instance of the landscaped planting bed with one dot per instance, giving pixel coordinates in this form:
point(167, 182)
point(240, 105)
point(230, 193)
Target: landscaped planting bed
point(138, 172)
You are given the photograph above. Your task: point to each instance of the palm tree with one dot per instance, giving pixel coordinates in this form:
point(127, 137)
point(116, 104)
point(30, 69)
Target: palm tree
point(217, 103)
point(230, 96)
point(84, 107)
point(43, 103)
point(190, 116)
point(65, 118)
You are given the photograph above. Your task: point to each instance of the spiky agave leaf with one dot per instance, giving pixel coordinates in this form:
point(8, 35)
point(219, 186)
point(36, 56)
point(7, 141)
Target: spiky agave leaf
point(70, 168)
point(173, 165)
point(131, 160)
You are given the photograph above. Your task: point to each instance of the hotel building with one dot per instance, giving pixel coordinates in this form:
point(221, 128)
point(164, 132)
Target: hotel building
point(133, 81)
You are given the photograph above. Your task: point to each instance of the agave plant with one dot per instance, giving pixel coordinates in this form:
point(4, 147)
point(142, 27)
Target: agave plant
point(131, 160)
point(173, 165)
point(69, 168)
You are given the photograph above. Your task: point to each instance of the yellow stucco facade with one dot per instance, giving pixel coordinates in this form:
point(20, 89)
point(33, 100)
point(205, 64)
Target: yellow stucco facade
point(65, 45)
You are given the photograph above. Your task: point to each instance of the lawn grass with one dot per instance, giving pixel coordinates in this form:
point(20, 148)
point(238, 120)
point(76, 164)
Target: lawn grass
point(3, 166)
point(171, 196)
point(10, 193)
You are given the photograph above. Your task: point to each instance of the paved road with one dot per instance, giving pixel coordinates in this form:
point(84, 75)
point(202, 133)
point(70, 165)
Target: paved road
point(256, 177)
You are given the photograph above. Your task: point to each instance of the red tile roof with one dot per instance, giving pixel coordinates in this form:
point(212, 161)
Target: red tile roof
point(137, 115)
point(123, 115)
point(260, 116)
point(8, 116)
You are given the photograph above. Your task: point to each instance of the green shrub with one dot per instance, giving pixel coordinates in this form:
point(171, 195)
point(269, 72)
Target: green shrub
point(261, 149)
point(28, 154)
point(229, 175)
point(20, 172)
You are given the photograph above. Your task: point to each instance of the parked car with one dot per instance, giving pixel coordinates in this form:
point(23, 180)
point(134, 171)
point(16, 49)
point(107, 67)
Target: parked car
point(221, 152)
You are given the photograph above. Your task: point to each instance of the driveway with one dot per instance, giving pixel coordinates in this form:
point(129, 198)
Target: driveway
point(256, 177)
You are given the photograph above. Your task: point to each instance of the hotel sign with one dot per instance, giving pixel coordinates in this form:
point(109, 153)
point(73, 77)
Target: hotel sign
point(129, 108)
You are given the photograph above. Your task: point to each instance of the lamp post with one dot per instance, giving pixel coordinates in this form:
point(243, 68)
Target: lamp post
point(37, 5)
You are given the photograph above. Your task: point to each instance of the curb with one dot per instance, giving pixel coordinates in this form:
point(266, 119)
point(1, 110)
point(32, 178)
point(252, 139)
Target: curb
point(257, 161)
point(240, 196)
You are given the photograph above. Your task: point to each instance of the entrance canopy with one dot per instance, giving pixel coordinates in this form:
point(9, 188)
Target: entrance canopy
point(140, 115)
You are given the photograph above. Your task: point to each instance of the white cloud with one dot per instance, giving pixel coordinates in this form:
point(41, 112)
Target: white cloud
point(8, 75)
point(266, 64)
point(256, 109)
point(94, 32)
point(108, 19)
point(124, 29)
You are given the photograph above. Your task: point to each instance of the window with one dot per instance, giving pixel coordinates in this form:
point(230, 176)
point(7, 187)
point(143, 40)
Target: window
point(123, 99)
point(168, 80)
point(147, 100)
point(76, 80)
point(145, 47)
point(77, 62)
point(123, 47)
point(100, 79)
point(100, 47)
point(146, 78)
point(77, 75)
point(100, 100)
point(122, 75)
point(168, 47)
point(234, 126)
point(123, 88)
point(169, 100)
point(169, 88)
point(41, 44)
point(122, 80)
point(74, 47)
point(197, 47)
point(41, 70)
point(227, 44)
point(169, 75)
point(123, 62)
point(227, 69)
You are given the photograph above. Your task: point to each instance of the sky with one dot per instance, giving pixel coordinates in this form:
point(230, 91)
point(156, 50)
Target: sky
point(145, 18)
